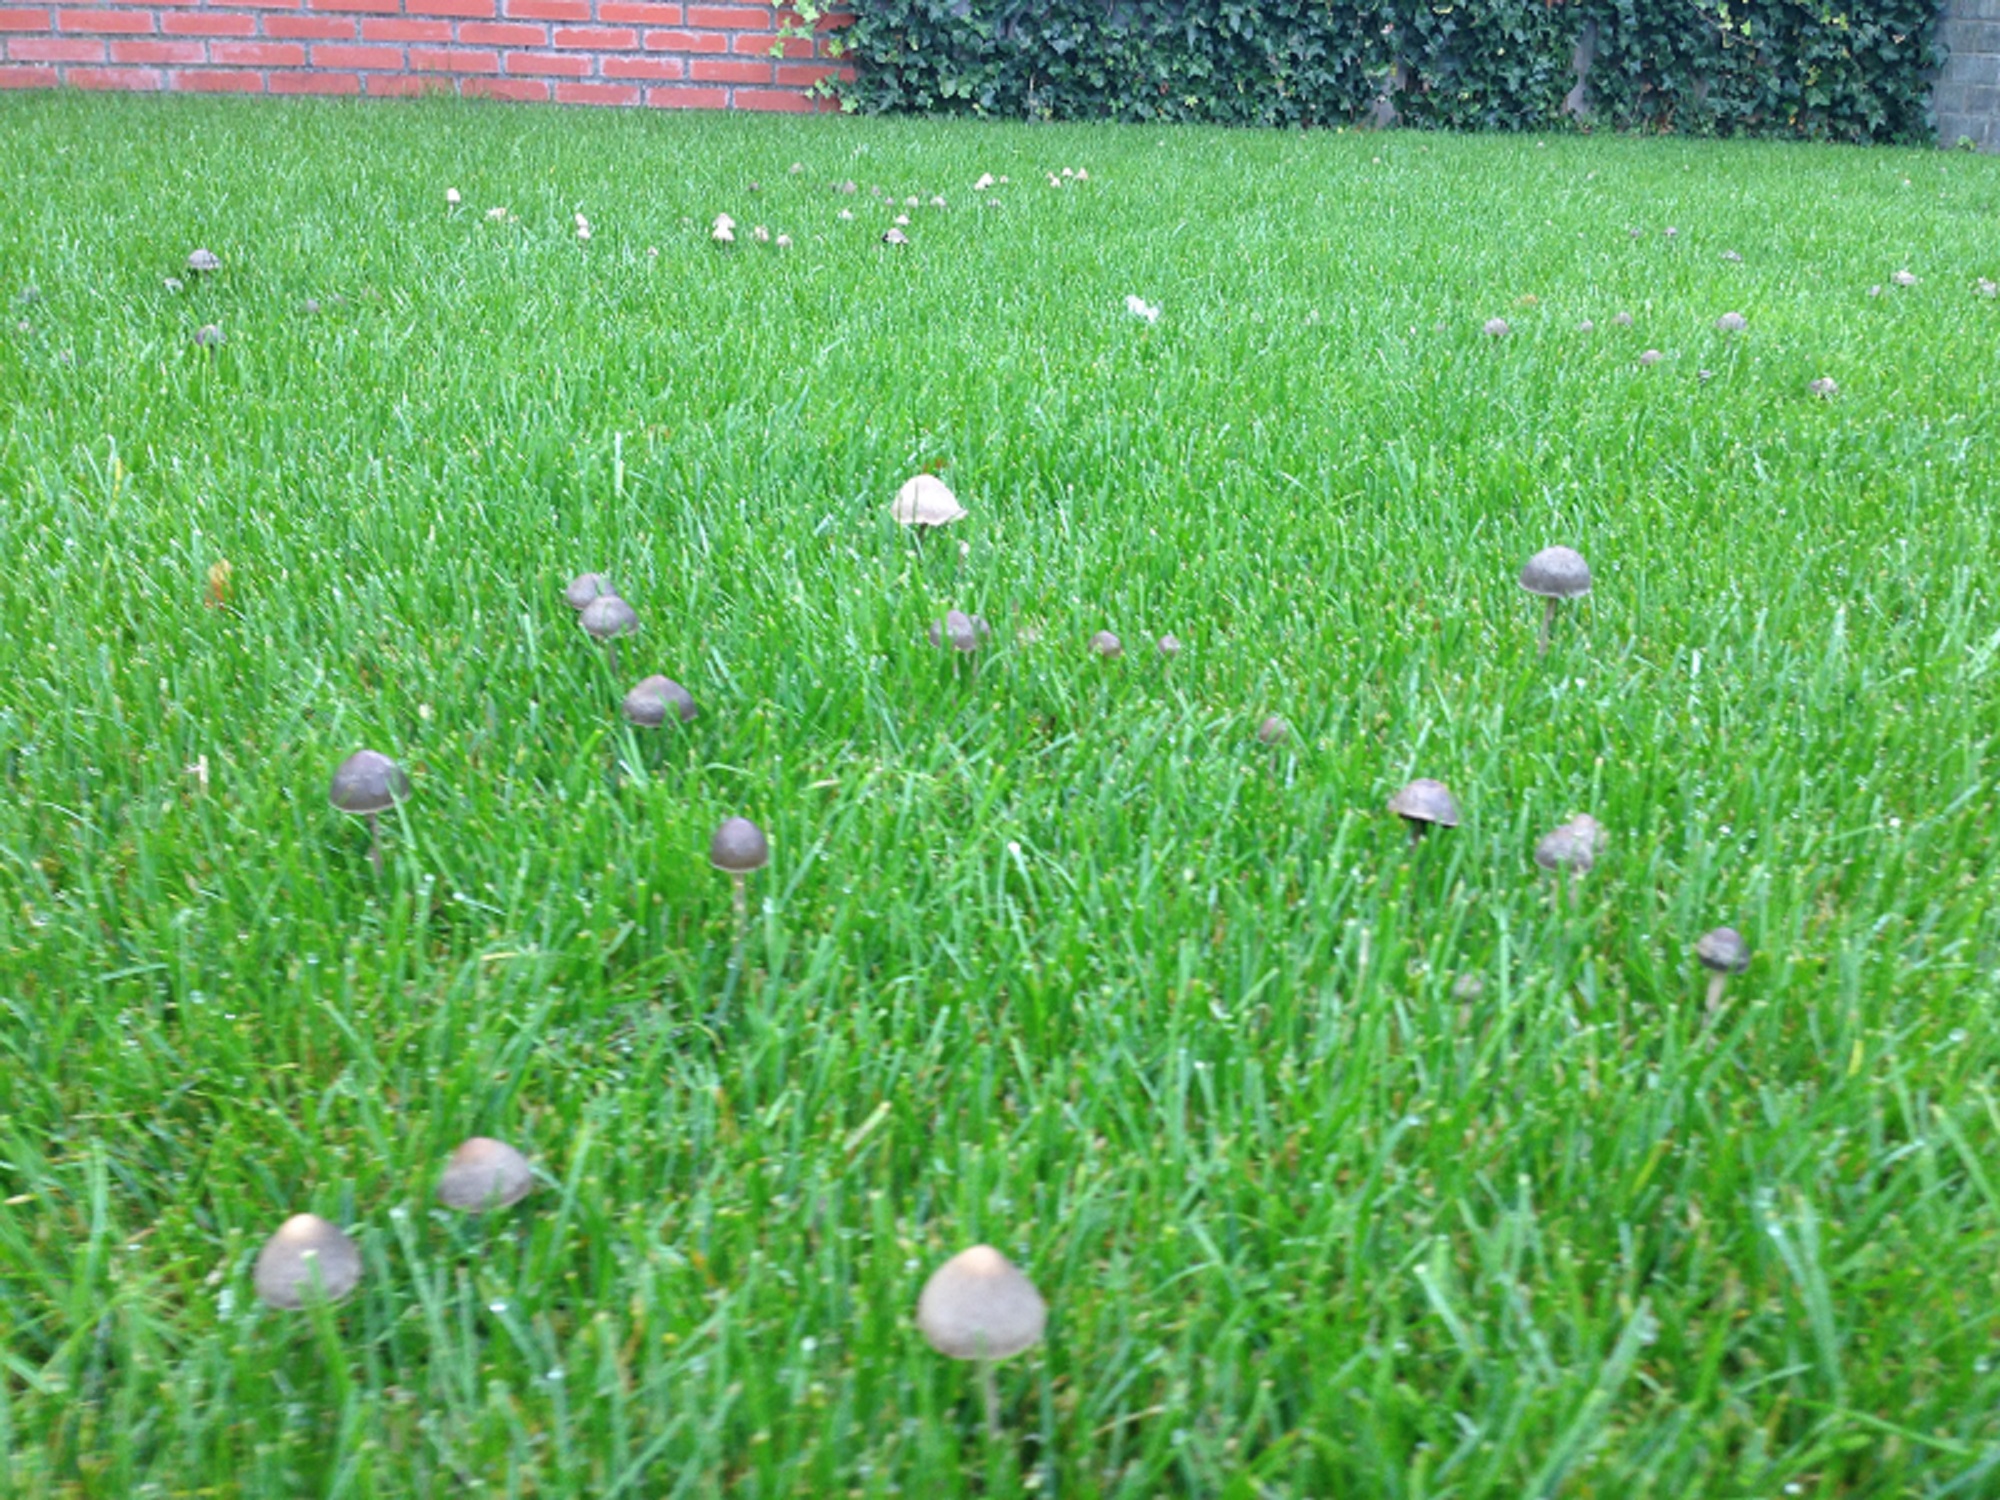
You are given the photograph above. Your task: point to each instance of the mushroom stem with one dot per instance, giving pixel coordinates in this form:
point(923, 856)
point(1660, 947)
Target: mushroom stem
point(375, 844)
point(1716, 984)
point(1417, 831)
point(613, 645)
point(1548, 621)
point(991, 1388)
point(738, 887)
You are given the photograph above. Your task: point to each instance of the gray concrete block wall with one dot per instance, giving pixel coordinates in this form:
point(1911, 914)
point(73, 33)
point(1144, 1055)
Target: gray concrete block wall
point(1966, 97)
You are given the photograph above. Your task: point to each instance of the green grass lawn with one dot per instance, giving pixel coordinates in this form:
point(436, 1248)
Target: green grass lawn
point(1347, 1166)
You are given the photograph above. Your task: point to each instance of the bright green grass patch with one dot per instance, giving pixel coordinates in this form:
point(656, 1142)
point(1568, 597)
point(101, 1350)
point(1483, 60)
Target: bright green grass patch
point(1051, 953)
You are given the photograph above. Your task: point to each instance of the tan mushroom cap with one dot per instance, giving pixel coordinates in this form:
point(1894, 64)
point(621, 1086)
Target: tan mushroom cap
point(607, 616)
point(978, 1305)
point(485, 1174)
point(1426, 801)
point(306, 1245)
point(960, 631)
point(1723, 950)
point(1561, 849)
point(1556, 573)
point(649, 704)
point(926, 501)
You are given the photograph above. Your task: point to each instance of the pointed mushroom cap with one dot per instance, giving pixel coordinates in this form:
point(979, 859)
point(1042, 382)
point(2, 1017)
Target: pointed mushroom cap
point(305, 1244)
point(607, 615)
point(1107, 645)
point(978, 1305)
point(739, 846)
point(585, 587)
point(1723, 950)
point(926, 501)
point(1556, 573)
point(485, 1174)
point(1426, 801)
point(368, 782)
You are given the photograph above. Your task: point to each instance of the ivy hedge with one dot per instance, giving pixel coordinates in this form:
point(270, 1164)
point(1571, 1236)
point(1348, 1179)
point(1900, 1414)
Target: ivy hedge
point(1842, 70)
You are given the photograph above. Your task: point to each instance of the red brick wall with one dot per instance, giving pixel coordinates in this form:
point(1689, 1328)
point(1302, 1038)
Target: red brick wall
point(675, 56)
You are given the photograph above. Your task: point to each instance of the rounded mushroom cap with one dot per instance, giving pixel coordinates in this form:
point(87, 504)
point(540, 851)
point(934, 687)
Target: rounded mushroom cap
point(1565, 849)
point(485, 1174)
point(607, 615)
point(961, 631)
point(978, 1305)
point(1273, 729)
point(305, 1245)
point(1723, 950)
point(1426, 801)
point(1169, 645)
point(210, 336)
point(368, 782)
point(1732, 322)
point(926, 501)
point(739, 846)
point(1556, 573)
point(648, 704)
point(1496, 328)
point(204, 260)
point(1107, 645)
point(585, 587)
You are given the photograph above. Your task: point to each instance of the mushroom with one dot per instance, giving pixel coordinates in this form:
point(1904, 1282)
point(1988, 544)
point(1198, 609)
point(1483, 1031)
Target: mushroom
point(1555, 574)
point(739, 847)
point(978, 1306)
point(210, 336)
point(1586, 326)
point(1651, 357)
point(1824, 388)
point(926, 500)
point(1168, 645)
point(895, 236)
point(306, 1255)
point(585, 587)
point(1732, 258)
point(1272, 730)
point(1496, 328)
point(1570, 851)
point(1623, 320)
point(485, 1174)
point(200, 262)
point(606, 618)
point(1732, 322)
point(1722, 952)
point(1425, 804)
point(1107, 645)
point(368, 784)
point(648, 704)
point(960, 631)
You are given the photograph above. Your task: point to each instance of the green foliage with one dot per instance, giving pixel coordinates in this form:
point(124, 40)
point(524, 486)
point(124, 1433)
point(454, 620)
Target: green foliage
point(1805, 68)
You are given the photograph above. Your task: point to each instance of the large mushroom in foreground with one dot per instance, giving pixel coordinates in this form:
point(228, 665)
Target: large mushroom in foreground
point(926, 501)
point(1555, 575)
point(979, 1306)
point(307, 1256)
point(1425, 804)
point(366, 785)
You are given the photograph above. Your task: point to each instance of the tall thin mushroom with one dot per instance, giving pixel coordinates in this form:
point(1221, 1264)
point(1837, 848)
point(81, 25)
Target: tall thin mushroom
point(979, 1306)
point(366, 785)
point(1555, 574)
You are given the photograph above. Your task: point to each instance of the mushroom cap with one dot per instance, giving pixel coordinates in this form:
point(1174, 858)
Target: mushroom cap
point(1169, 645)
point(368, 782)
point(1496, 328)
point(303, 1244)
point(607, 615)
point(1589, 832)
point(1732, 322)
point(1426, 801)
point(1273, 729)
point(1566, 849)
point(485, 1174)
point(1556, 573)
point(204, 260)
point(585, 587)
point(978, 1305)
point(926, 501)
point(739, 846)
point(648, 704)
point(895, 236)
point(1723, 950)
point(210, 336)
point(961, 631)
point(1107, 645)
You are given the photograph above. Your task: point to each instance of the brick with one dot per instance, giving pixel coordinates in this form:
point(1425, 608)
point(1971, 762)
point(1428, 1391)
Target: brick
point(673, 97)
point(24, 20)
point(548, 10)
point(95, 22)
point(502, 34)
point(374, 7)
point(805, 75)
point(596, 38)
point(212, 81)
point(763, 44)
point(268, 4)
point(396, 29)
point(55, 49)
point(730, 17)
point(597, 93)
point(685, 41)
point(776, 101)
point(648, 69)
point(453, 60)
point(636, 13)
point(212, 23)
point(357, 57)
point(398, 86)
point(137, 79)
point(718, 70)
point(834, 21)
point(533, 90)
point(12, 77)
point(257, 54)
point(309, 28)
point(158, 52)
point(548, 65)
point(308, 81)
point(464, 10)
